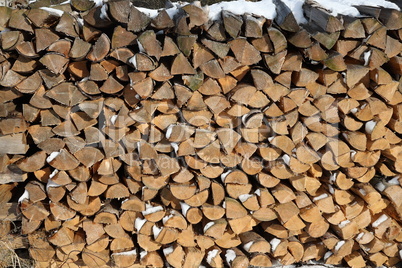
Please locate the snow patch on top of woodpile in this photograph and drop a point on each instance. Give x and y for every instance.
(267, 8)
(346, 7)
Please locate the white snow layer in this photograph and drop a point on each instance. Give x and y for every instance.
(98, 3)
(258, 192)
(297, 8)
(167, 251)
(52, 156)
(248, 245)
(320, 197)
(143, 254)
(138, 223)
(133, 61)
(53, 11)
(184, 208)
(369, 127)
(394, 180)
(156, 231)
(212, 254)
(266, 8)
(380, 186)
(104, 14)
(53, 173)
(149, 209)
(343, 223)
(113, 119)
(244, 197)
(51, 183)
(274, 244)
(126, 253)
(263, 8)
(230, 255)
(208, 225)
(345, 7)
(223, 175)
(380, 220)
(169, 131)
(366, 56)
(24, 196)
(339, 245)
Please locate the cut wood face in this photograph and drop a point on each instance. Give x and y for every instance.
(146, 138)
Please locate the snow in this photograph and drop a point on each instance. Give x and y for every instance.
(143, 254)
(156, 231)
(167, 251)
(362, 191)
(184, 208)
(369, 126)
(98, 3)
(53, 173)
(140, 47)
(297, 8)
(52, 156)
(332, 179)
(248, 245)
(53, 11)
(366, 56)
(138, 223)
(126, 253)
(230, 255)
(400, 253)
(352, 154)
(224, 204)
(359, 236)
(223, 175)
(327, 255)
(331, 189)
(149, 209)
(380, 220)
(212, 254)
(51, 183)
(166, 218)
(339, 245)
(258, 192)
(133, 61)
(169, 131)
(244, 197)
(173, 10)
(104, 14)
(320, 197)
(24, 196)
(343, 223)
(113, 119)
(263, 8)
(208, 225)
(345, 7)
(175, 146)
(152, 13)
(286, 159)
(354, 110)
(274, 244)
(394, 180)
(380, 186)
(266, 8)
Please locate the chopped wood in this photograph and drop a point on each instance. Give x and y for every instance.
(233, 142)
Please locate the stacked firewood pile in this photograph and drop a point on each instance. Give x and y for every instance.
(176, 140)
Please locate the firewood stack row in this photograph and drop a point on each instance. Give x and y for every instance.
(177, 140)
